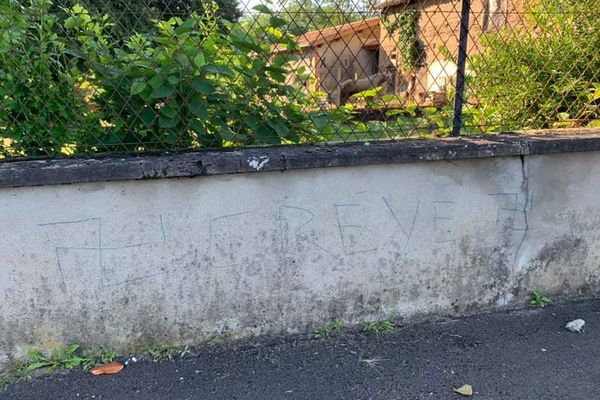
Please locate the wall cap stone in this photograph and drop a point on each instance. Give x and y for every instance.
(193, 163)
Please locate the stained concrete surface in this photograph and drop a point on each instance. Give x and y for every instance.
(176, 261)
(506, 355)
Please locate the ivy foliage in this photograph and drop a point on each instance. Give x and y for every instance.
(403, 28)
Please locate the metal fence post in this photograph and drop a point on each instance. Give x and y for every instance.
(462, 61)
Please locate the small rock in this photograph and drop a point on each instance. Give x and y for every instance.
(575, 325)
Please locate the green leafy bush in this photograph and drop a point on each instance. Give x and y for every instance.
(67, 86)
(136, 16)
(43, 110)
(544, 74)
(192, 84)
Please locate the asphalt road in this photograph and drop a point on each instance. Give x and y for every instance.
(517, 355)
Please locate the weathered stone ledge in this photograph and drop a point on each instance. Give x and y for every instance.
(16, 173)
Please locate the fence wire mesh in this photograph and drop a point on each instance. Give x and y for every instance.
(95, 76)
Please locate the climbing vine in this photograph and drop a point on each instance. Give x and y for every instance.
(405, 24)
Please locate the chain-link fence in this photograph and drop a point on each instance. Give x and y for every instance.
(95, 76)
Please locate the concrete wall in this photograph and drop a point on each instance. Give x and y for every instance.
(175, 261)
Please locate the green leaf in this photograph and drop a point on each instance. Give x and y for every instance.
(320, 120)
(197, 127)
(156, 81)
(172, 136)
(187, 26)
(252, 121)
(169, 111)
(165, 90)
(38, 365)
(219, 70)
(277, 22)
(138, 87)
(182, 59)
(166, 41)
(197, 106)
(166, 122)
(71, 23)
(247, 45)
(594, 123)
(280, 127)
(278, 76)
(227, 133)
(199, 60)
(203, 86)
(264, 135)
(430, 110)
(142, 64)
(36, 355)
(261, 8)
(392, 113)
(148, 116)
(73, 362)
(72, 348)
(595, 93)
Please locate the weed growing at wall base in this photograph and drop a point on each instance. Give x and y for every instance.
(379, 327)
(64, 358)
(539, 300)
(162, 353)
(326, 331)
(16, 371)
(71, 357)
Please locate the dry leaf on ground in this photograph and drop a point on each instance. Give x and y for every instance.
(465, 390)
(107, 369)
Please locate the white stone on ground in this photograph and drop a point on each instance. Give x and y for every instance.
(575, 325)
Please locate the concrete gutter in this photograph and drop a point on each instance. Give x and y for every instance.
(192, 163)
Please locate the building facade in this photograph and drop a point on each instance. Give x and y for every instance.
(331, 56)
(437, 36)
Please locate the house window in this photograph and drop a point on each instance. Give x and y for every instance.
(374, 55)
